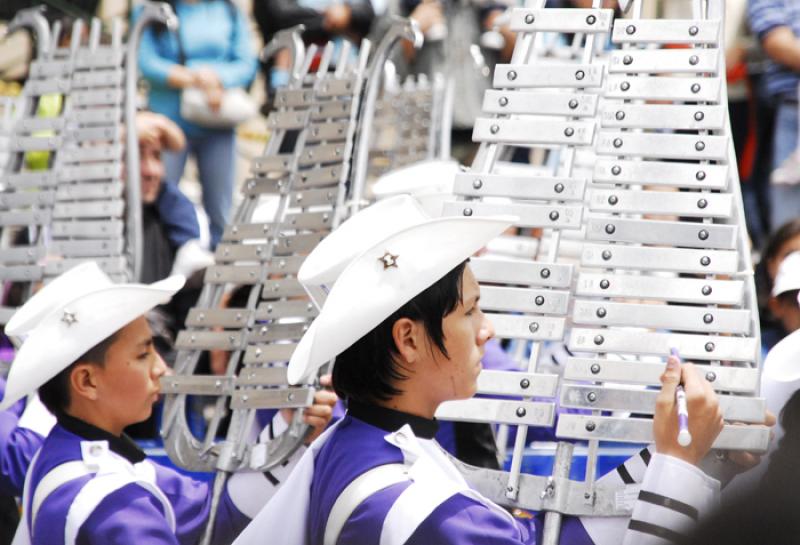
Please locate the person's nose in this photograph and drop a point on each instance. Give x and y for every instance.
(160, 368)
(486, 331)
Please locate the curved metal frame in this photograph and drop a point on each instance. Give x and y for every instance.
(34, 19)
(152, 12)
(400, 29)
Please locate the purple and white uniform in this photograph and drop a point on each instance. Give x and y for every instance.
(378, 478)
(18, 446)
(112, 494)
(359, 445)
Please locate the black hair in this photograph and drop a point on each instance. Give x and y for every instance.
(369, 371)
(764, 283)
(54, 393)
(784, 234)
(788, 298)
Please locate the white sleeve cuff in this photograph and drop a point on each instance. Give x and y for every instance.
(674, 495)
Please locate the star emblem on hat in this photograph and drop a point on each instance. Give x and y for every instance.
(69, 318)
(389, 260)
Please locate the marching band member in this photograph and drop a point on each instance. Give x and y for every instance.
(404, 323)
(89, 352)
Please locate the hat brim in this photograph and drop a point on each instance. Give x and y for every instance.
(55, 343)
(367, 293)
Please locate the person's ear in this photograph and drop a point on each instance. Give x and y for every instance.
(405, 334)
(83, 381)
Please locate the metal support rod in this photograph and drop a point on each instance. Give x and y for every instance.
(151, 13)
(561, 467)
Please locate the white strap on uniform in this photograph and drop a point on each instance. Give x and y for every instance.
(88, 498)
(361, 488)
(57, 477)
(415, 504)
(96, 490)
(23, 535)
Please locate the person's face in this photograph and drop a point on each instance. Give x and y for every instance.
(152, 172)
(466, 331)
(128, 384)
(791, 245)
(787, 310)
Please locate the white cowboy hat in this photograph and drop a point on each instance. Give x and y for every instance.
(780, 365)
(430, 182)
(75, 312)
(788, 277)
(385, 277)
(365, 229)
(60, 290)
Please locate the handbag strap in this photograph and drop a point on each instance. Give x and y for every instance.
(231, 14)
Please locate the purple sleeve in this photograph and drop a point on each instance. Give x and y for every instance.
(191, 501)
(463, 520)
(17, 448)
(129, 515)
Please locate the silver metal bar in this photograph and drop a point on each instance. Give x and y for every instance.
(672, 174)
(646, 343)
(529, 413)
(501, 101)
(743, 380)
(515, 76)
(640, 430)
(675, 31)
(673, 317)
(584, 21)
(640, 401)
(659, 288)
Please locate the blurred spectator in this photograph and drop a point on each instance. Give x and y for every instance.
(324, 20)
(751, 118)
(783, 242)
(212, 51)
(171, 227)
(82, 8)
(783, 299)
(463, 42)
(776, 23)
